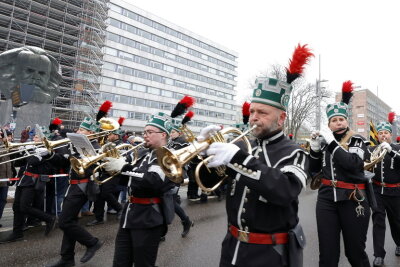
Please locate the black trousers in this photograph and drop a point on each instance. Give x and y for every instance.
(137, 246)
(389, 205)
(108, 193)
(236, 253)
(23, 206)
(68, 222)
(336, 217)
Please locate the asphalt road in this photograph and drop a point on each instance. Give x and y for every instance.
(200, 248)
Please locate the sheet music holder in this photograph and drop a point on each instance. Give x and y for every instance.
(82, 144)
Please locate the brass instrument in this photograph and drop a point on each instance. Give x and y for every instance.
(376, 156)
(135, 150)
(172, 162)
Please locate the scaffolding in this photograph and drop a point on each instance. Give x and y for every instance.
(73, 31)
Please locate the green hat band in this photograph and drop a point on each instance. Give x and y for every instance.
(272, 92)
(161, 121)
(384, 126)
(90, 124)
(336, 109)
(175, 125)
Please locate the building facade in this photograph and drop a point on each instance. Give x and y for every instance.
(150, 64)
(364, 107)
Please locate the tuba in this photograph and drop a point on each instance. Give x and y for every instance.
(172, 162)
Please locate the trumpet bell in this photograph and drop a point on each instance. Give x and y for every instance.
(171, 165)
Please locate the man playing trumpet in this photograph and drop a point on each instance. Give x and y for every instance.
(262, 194)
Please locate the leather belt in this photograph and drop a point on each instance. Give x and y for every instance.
(340, 184)
(144, 200)
(33, 175)
(82, 181)
(385, 184)
(258, 238)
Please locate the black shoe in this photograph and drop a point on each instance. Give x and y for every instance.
(13, 237)
(397, 252)
(94, 222)
(50, 226)
(62, 263)
(378, 261)
(1, 225)
(203, 198)
(186, 226)
(162, 239)
(90, 251)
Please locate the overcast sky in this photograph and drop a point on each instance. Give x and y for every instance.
(357, 40)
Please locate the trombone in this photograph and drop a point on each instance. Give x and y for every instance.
(135, 150)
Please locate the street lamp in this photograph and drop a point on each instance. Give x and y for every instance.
(319, 99)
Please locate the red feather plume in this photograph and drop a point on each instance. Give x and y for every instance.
(391, 117)
(106, 106)
(347, 87)
(246, 109)
(188, 117)
(188, 101)
(301, 57)
(56, 121)
(121, 121)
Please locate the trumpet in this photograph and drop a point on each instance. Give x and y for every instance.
(135, 150)
(80, 165)
(376, 156)
(172, 162)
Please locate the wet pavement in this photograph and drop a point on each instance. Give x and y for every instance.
(200, 248)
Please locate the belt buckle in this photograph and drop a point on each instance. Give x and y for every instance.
(383, 184)
(333, 183)
(243, 236)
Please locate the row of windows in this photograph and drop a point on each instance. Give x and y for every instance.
(191, 63)
(169, 31)
(166, 93)
(180, 72)
(161, 105)
(163, 41)
(148, 76)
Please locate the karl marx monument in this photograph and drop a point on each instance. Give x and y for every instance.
(29, 80)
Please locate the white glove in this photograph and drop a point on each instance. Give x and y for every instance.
(315, 142)
(328, 136)
(41, 151)
(28, 147)
(206, 132)
(114, 165)
(222, 152)
(386, 145)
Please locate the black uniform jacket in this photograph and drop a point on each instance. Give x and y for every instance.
(262, 196)
(388, 171)
(340, 164)
(145, 179)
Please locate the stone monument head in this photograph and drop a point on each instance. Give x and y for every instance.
(30, 71)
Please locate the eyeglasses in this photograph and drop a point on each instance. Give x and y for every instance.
(149, 132)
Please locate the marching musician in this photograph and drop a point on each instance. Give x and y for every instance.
(30, 189)
(342, 205)
(81, 190)
(386, 184)
(262, 195)
(145, 217)
(109, 190)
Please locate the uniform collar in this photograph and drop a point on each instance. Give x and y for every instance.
(272, 139)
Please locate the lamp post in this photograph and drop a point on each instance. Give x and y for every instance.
(319, 96)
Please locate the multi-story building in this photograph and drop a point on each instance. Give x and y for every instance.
(73, 31)
(364, 107)
(150, 64)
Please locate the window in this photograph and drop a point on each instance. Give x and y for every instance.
(138, 87)
(123, 84)
(140, 102)
(116, 8)
(125, 99)
(182, 48)
(154, 91)
(168, 81)
(166, 93)
(169, 68)
(120, 113)
(219, 104)
(140, 116)
(115, 23)
(126, 56)
(109, 66)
